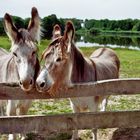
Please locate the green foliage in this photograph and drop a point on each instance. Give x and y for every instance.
(18, 21)
(2, 32)
(136, 27)
(89, 23)
(93, 26)
(94, 31)
(126, 24)
(116, 25)
(76, 22)
(26, 22)
(48, 24)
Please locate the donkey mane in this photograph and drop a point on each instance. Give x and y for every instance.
(23, 35)
(78, 64)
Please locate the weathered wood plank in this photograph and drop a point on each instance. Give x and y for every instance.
(105, 87)
(66, 122)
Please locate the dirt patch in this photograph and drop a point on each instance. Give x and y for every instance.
(126, 134)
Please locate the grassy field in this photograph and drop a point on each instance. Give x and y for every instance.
(130, 67)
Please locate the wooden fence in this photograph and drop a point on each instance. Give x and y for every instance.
(66, 122)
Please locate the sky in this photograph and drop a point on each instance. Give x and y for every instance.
(81, 9)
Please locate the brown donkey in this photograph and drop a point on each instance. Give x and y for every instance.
(21, 64)
(66, 65)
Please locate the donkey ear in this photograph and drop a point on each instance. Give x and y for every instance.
(69, 34)
(10, 28)
(56, 32)
(34, 25)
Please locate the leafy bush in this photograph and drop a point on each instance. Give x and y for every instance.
(136, 27)
(94, 31)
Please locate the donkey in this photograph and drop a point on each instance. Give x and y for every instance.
(21, 64)
(66, 65)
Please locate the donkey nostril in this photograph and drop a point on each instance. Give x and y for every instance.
(42, 84)
(20, 82)
(31, 82)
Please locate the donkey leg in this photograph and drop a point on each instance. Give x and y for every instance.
(11, 108)
(11, 111)
(2, 107)
(75, 132)
(93, 107)
(104, 104)
(2, 112)
(23, 108)
(11, 137)
(94, 133)
(102, 108)
(22, 136)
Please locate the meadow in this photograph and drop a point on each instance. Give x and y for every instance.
(130, 68)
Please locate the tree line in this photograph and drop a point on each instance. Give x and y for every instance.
(47, 24)
(96, 26)
(92, 25)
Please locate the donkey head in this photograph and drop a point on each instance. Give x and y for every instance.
(56, 32)
(24, 49)
(58, 62)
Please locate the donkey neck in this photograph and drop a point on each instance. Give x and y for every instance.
(82, 68)
(12, 73)
(8, 69)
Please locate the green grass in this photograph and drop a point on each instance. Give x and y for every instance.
(51, 106)
(4, 42)
(130, 62)
(43, 45)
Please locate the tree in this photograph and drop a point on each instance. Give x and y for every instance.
(26, 22)
(126, 24)
(94, 31)
(19, 22)
(2, 32)
(77, 23)
(48, 24)
(89, 23)
(136, 27)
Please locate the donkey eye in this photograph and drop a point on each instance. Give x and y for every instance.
(14, 54)
(58, 59)
(33, 53)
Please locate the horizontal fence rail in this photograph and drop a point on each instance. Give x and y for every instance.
(66, 122)
(104, 87)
